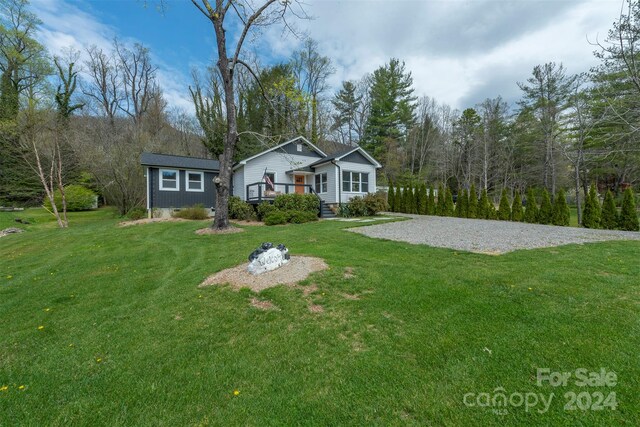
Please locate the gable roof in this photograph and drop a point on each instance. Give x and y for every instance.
(301, 138)
(180, 162)
(340, 155)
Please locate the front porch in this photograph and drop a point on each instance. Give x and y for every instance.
(259, 192)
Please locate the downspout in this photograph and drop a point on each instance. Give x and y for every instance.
(338, 182)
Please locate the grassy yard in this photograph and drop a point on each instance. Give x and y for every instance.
(104, 325)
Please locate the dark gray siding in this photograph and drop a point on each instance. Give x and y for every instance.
(292, 148)
(182, 198)
(356, 157)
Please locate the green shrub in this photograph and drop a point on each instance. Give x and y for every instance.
(431, 202)
(276, 217)
(239, 209)
(531, 211)
(375, 202)
(300, 217)
(591, 212)
(629, 215)
(609, 219)
(492, 213)
(136, 213)
(424, 200)
(358, 207)
(344, 211)
(504, 209)
(297, 202)
(461, 204)
(391, 198)
(441, 204)
(417, 197)
(196, 212)
(472, 208)
(516, 208)
(263, 209)
(398, 199)
(545, 214)
(77, 197)
(561, 214)
(484, 206)
(448, 202)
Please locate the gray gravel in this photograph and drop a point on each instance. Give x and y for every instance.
(483, 236)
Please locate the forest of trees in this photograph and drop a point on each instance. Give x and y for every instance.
(87, 114)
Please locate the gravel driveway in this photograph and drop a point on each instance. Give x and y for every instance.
(483, 236)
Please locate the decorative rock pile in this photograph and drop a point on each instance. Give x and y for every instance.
(10, 230)
(267, 258)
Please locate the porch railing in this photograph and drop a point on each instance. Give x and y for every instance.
(259, 192)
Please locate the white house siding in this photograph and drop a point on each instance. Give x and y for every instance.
(279, 163)
(356, 167)
(330, 170)
(238, 183)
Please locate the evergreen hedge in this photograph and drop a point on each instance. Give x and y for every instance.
(472, 208)
(516, 208)
(483, 211)
(629, 215)
(448, 203)
(504, 209)
(431, 202)
(609, 219)
(391, 197)
(531, 211)
(591, 212)
(545, 214)
(561, 213)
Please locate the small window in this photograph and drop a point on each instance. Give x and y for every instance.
(269, 179)
(321, 183)
(169, 180)
(195, 181)
(299, 148)
(355, 182)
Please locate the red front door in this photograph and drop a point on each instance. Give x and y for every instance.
(299, 181)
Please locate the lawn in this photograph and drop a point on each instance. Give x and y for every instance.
(104, 325)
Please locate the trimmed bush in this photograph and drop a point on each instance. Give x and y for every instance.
(431, 202)
(391, 197)
(609, 219)
(263, 210)
(276, 217)
(545, 214)
(196, 212)
(591, 212)
(77, 197)
(629, 215)
(300, 217)
(239, 209)
(531, 211)
(516, 208)
(561, 213)
(357, 207)
(472, 208)
(375, 202)
(297, 202)
(504, 209)
(136, 213)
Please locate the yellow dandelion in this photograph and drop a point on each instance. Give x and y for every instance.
(9, 277)
(236, 392)
(199, 296)
(47, 309)
(40, 327)
(21, 387)
(4, 388)
(98, 360)
(71, 345)
(530, 289)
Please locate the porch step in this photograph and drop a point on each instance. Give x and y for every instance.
(325, 211)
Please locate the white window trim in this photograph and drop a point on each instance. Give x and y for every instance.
(162, 188)
(342, 181)
(186, 177)
(326, 182)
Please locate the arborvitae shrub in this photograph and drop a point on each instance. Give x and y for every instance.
(424, 198)
(391, 197)
(492, 213)
(413, 208)
(531, 210)
(448, 203)
(462, 204)
(516, 208)
(417, 197)
(545, 215)
(609, 218)
(431, 202)
(398, 198)
(441, 203)
(629, 215)
(472, 209)
(504, 210)
(483, 211)
(561, 213)
(591, 212)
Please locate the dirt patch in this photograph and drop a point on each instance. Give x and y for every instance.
(263, 305)
(351, 297)
(348, 273)
(294, 271)
(307, 290)
(249, 223)
(209, 230)
(316, 308)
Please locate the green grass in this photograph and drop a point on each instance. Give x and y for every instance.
(430, 325)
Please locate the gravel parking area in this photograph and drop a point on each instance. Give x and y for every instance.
(488, 237)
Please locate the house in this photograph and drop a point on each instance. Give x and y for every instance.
(295, 166)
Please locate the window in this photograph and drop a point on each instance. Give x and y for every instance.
(355, 182)
(269, 179)
(169, 180)
(321, 183)
(299, 147)
(195, 181)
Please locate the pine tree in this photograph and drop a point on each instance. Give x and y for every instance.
(629, 215)
(504, 209)
(448, 203)
(591, 212)
(545, 215)
(391, 197)
(472, 209)
(609, 219)
(431, 202)
(531, 211)
(561, 213)
(516, 208)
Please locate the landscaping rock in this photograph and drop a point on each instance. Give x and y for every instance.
(267, 258)
(10, 230)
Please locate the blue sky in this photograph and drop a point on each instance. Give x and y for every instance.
(459, 51)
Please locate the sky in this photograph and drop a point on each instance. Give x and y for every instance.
(459, 52)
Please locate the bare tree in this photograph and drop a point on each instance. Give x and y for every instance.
(103, 86)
